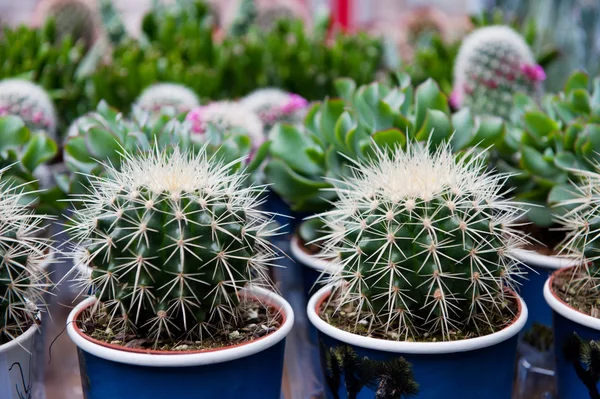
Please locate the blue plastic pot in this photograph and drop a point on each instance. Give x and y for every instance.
(314, 269)
(252, 370)
(573, 333)
(469, 369)
(539, 267)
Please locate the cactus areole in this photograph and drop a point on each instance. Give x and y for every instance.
(172, 239)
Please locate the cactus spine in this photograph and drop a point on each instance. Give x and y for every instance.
(493, 64)
(274, 105)
(30, 102)
(228, 116)
(167, 95)
(22, 278)
(172, 239)
(423, 242)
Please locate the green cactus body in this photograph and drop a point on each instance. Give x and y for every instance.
(172, 239)
(74, 18)
(22, 278)
(493, 64)
(167, 95)
(423, 241)
(30, 102)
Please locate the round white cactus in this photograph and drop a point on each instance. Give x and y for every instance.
(167, 95)
(30, 102)
(274, 105)
(172, 239)
(423, 242)
(228, 116)
(493, 64)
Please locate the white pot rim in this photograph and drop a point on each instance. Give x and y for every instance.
(424, 348)
(565, 310)
(20, 340)
(308, 260)
(550, 262)
(186, 359)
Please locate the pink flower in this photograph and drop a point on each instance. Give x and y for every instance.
(455, 99)
(4, 110)
(37, 117)
(294, 103)
(195, 117)
(534, 72)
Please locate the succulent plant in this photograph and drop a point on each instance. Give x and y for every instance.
(23, 281)
(167, 95)
(172, 240)
(493, 64)
(423, 242)
(37, 54)
(230, 117)
(100, 137)
(30, 102)
(74, 18)
(274, 105)
(548, 142)
(340, 129)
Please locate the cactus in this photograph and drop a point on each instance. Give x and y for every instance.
(167, 95)
(30, 102)
(493, 64)
(172, 239)
(73, 18)
(276, 106)
(228, 116)
(423, 241)
(245, 17)
(23, 281)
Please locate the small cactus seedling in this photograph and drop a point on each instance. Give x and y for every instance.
(228, 116)
(75, 18)
(274, 105)
(493, 64)
(22, 278)
(162, 96)
(423, 241)
(30, 102)
(172, 239)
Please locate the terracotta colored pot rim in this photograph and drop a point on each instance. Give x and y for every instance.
(424, 348)
(564, 309)
(157, 358)
(309, 260)
(20, 340)
(551, 263)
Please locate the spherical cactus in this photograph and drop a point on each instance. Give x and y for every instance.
(167, 95)
(275, 105)
(228, 116)
(30, 102)
(23, 281)
(75, 18)
(172, 238)
(423, 242)
(493, 64)
(270, 11)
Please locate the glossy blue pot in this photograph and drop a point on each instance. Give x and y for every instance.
(253, 370)
(575, 333)
(469, 369)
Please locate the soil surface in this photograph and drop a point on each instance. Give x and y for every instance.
(258, 322)
(580, 299)
(345, 319)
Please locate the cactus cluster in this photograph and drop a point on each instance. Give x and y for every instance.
(30, 102)
(172, 240)
(274, 105)
(74, 18)
(423, 240)
(161, 96)
(228, 116)
(493, 64)
(23, 281)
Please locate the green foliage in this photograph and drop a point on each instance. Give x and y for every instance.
(38, 55)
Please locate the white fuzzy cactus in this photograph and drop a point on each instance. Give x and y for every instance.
(30, 102)
(172, 239)
(423, 243)
(23, 281)
(493, 64)
(160, 96)
(274, 105)
(228, 116)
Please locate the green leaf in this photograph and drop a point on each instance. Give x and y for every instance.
(13, 132)
(577, 80)
(289, 144)
(429, 97)
(345, 87)
(560, 193)
(391, 138)
(567, 160)
(344, 126)
(311, 230)
(436, 127)
(463, 124)
(331, 110)
(539, 126)
(539, 214)
(532, 160)
(39, 149)
(580, 101)
(259, 156)
(103, 145)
